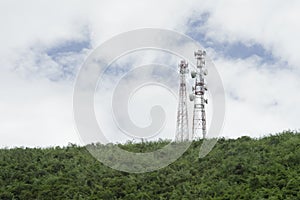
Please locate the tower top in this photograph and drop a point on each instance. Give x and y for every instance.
(200, 54)
(183, 67)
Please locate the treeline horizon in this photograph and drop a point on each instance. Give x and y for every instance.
(164, 140)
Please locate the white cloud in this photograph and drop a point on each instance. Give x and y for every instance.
(273, 24)
(36, 111)
(261, 99)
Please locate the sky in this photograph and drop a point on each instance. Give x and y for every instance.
(253, 44)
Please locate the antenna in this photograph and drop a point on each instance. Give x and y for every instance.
(198, 94)
(182, 131)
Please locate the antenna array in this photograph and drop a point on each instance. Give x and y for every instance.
(197, 96)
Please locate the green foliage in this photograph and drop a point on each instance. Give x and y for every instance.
(245, 168)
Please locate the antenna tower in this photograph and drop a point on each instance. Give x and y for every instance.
(198, 95)
(182, 131)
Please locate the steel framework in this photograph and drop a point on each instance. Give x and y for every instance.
(182, 131)
(198, 95)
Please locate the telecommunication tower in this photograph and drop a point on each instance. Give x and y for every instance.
(182, 131)
(198, 95)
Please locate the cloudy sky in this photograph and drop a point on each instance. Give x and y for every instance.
(254, 45)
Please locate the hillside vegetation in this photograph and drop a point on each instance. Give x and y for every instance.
(245, 168)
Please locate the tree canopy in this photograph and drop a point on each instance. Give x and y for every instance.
(243, 168)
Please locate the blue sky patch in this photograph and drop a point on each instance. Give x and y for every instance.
(69, 46)
(233, 50)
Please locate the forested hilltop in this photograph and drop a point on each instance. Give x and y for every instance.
(244, 168)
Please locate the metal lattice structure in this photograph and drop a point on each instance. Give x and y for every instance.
(182, 131)
(198, 95)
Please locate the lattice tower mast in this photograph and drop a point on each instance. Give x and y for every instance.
(182, 131)
(198, 95)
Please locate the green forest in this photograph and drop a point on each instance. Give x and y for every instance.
(243, 168)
